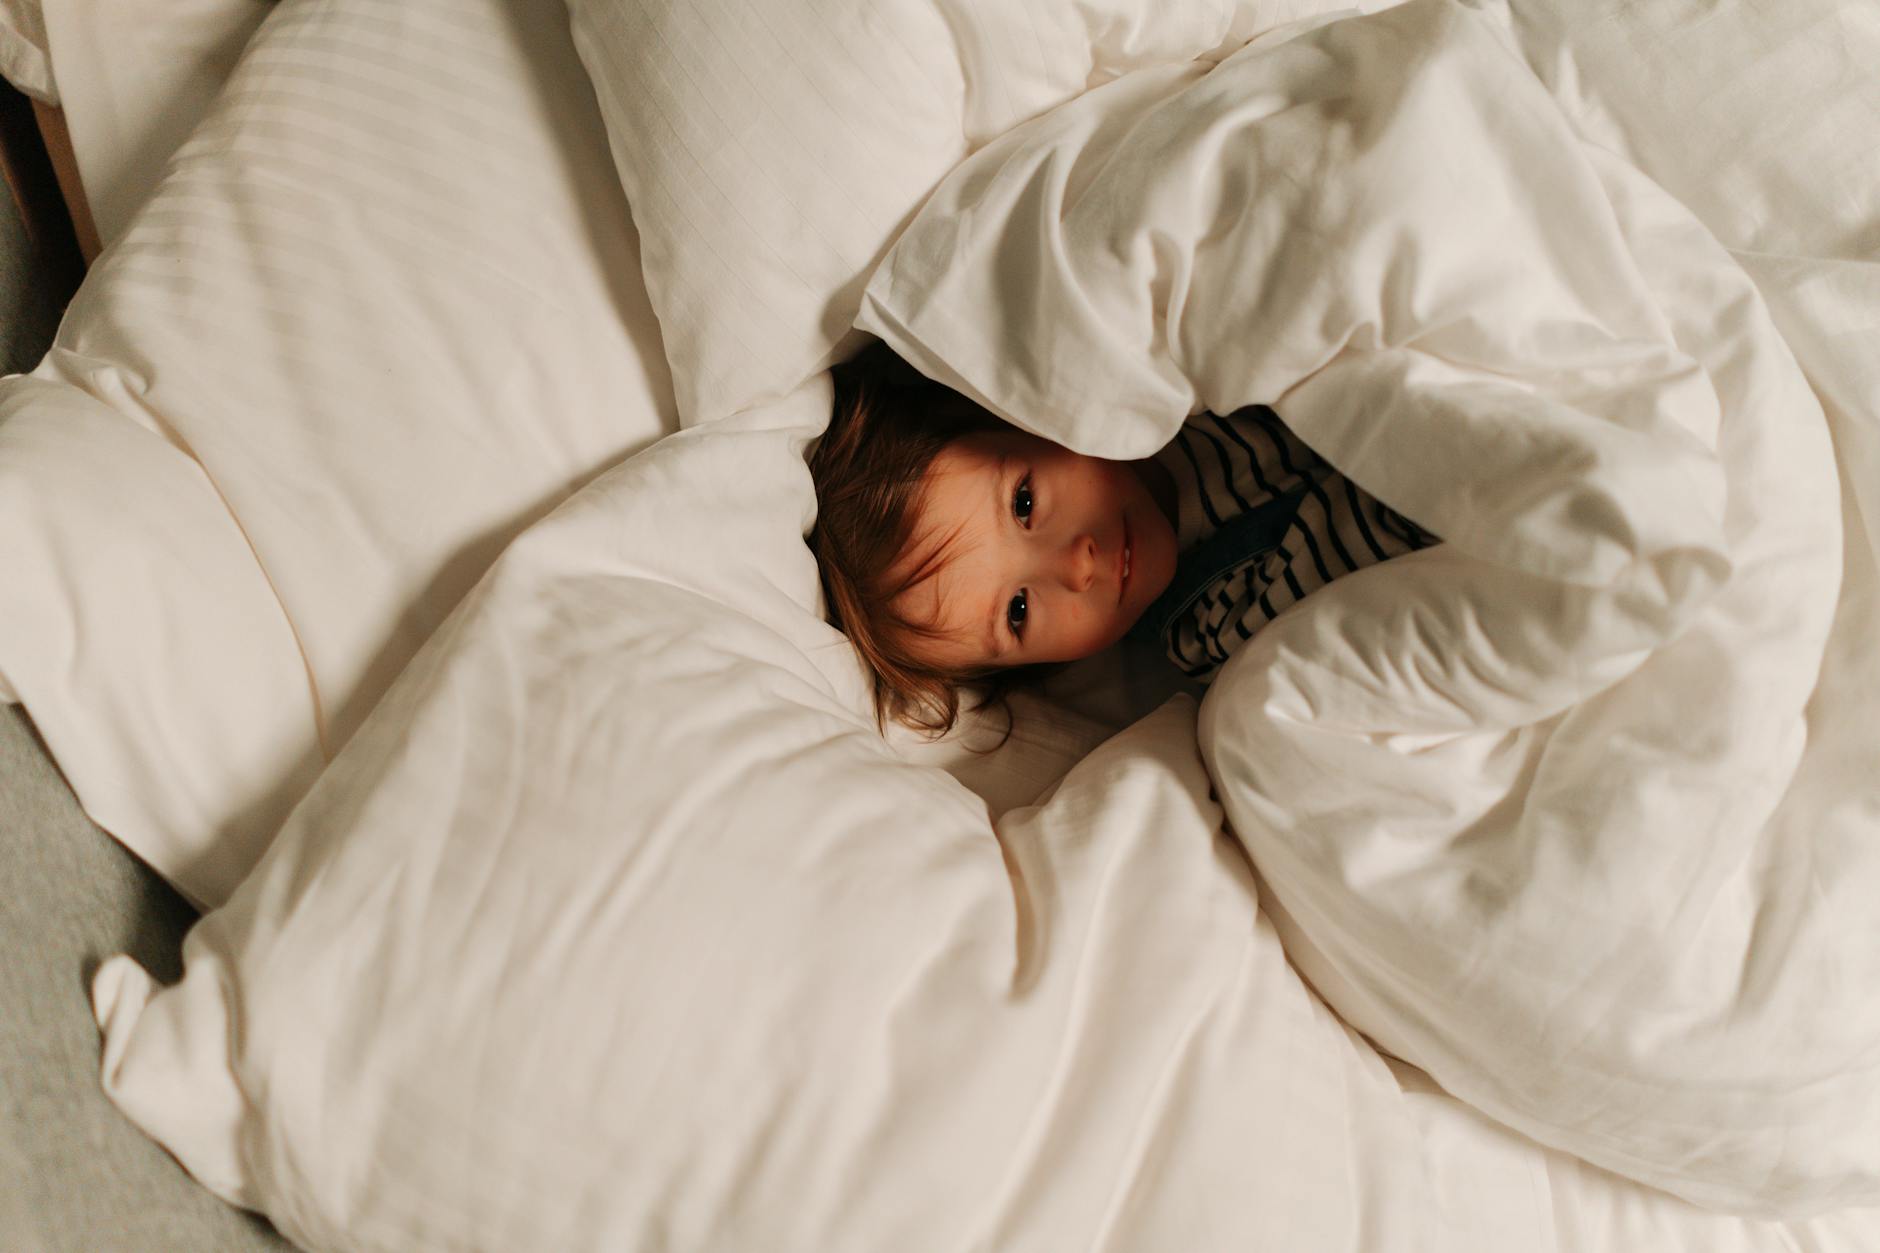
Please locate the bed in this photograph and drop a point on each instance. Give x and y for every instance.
(409, 570)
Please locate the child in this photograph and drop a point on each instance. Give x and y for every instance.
(956, 549)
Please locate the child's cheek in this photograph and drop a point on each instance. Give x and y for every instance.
(1088, 627)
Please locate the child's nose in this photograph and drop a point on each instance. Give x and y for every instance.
(1080, 563)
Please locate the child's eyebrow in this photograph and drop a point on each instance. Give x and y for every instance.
(995, 642)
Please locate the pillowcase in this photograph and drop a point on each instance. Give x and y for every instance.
(135, 81)
(616, 853)
(771, 153)
(143, 638)
(379, 362)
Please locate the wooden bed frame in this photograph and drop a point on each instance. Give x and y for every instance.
(58, 142)
(41, 174)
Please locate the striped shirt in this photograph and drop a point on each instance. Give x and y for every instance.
(1310, 524)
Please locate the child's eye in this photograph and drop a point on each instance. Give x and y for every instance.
(1015, 615)
(1021, 500)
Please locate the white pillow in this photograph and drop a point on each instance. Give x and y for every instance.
(615, 854)
(387, 300)
(144, 640)
(617, 927)
(135, 79)
(772, 151)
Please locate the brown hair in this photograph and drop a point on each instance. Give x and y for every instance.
(886, 427)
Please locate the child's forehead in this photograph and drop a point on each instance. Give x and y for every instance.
(959, 496)
(969, 454)
(945, 529)
(947, 605)
(952, 517)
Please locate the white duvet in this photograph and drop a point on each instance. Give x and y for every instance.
(1576, 811)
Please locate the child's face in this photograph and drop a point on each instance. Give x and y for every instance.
(1046, 554)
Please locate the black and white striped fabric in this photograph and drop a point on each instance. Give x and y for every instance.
(1226, 467)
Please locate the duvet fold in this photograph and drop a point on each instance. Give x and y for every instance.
(1569, 810)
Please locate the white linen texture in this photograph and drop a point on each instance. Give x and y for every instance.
(1571, 811)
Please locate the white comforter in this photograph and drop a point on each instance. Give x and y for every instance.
(1578, 810)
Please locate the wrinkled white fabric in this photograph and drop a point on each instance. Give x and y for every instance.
(618, 927)
(1571, 811)
(771, 153)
